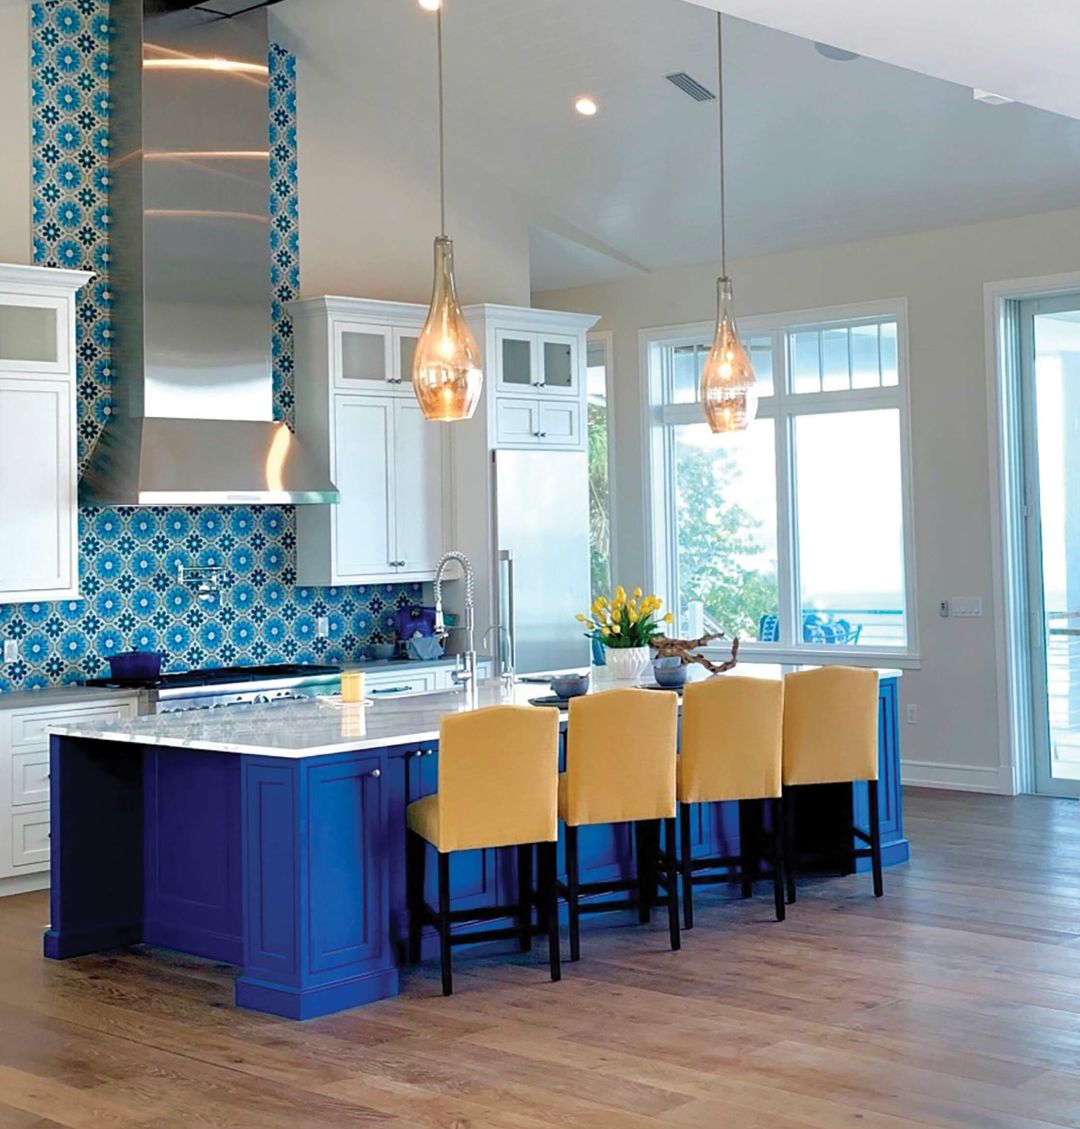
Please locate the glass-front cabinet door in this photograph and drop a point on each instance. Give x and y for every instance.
(518, 361)
(363, 355)
(33, 334)
(405, 341)
(559, 364)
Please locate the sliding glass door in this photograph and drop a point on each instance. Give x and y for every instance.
(1050, 352)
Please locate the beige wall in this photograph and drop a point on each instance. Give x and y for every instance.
(14, 131)
(941, 273)
(368, 181)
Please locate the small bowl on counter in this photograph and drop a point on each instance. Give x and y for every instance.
(383, 651)
(570, 685)
(669, 673)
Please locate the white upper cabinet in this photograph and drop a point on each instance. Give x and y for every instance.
(38, 501)
(355, 405)
(534, 369)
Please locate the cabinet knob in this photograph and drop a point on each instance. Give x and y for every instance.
(429, 752)
(375, 773)
(542, 434)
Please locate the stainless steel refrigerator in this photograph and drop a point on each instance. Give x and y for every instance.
(542, 570)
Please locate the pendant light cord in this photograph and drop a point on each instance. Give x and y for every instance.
(720, 116)
(442, 128)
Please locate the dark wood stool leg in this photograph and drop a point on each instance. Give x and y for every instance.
(572, 891)
(778, 857)
(671, 879)
(789, 844)
(525, 896)
(548, 869)
(415, 857)
(444, 924)
(875, 838)
(641, 854)
(750, 832)
(687, 866)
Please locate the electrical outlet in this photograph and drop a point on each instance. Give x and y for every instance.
(943, 609)
(322, 627)
(11, 650)
(912, 714)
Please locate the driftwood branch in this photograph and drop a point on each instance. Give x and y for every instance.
(686, 650)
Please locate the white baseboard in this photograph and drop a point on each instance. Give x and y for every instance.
(959, 777)
(24, 883)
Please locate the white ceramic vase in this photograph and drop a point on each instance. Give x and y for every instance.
(627, 664)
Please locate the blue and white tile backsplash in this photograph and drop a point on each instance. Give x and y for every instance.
(128, 555)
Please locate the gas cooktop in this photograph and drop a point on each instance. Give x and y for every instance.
(219, 676)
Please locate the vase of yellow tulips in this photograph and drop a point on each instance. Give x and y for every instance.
(626, 625)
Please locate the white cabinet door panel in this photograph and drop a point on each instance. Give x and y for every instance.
(30, 840)
(560, 423)
(417, 489)
(29, 778)
(37, 505)
(516, 421)
(363, 519)
(30, 728)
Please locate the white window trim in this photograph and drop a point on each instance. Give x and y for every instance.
(655, 417)
(606, 339)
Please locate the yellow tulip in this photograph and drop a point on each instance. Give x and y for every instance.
(620, 593)
(616, 630)
(590, 625)
(638, 593)
(580, 618)
(669, 618)
(633, 617)
(605, 631)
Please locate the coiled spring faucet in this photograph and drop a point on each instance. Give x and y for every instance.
(468, 673)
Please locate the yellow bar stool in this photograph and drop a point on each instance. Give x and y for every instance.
(831, 737)
(497, 787)
(731, 749)
(620, 768)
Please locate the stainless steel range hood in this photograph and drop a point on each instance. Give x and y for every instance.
(192, 386)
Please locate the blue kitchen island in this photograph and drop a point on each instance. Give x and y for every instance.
(272, 837)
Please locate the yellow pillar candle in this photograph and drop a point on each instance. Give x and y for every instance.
(352, 686)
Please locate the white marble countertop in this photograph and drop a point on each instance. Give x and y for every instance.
(320, 726)
(62, 696)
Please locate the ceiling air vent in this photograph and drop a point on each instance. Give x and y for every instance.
(691, 86)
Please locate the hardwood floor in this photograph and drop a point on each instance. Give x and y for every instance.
(954, 1001)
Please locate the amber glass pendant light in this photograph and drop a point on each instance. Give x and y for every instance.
(728, 383)
(447, 378)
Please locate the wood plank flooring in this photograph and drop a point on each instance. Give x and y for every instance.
(953, 1002)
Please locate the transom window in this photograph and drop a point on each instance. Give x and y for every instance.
(795, 534)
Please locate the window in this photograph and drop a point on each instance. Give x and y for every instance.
(598, 370)
(803, 519)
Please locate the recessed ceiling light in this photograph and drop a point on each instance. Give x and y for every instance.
(989, 98)
(586, 106)
(837, 54)
(431, 5)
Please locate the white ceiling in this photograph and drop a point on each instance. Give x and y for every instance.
(819, 151)
(1024, 49)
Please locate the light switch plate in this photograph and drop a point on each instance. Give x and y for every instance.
(322, 627)
(965, 607)
(11, 650)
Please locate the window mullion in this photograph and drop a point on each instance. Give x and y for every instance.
(786, 572)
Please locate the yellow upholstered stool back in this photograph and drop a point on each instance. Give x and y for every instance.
(732, 740)
(498, 778)
(620, 757)
(830, 725)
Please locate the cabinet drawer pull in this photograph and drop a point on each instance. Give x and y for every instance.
(375, 773)
(391, 690)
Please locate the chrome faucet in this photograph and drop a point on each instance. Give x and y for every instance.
(466, 675)
(506, 657)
